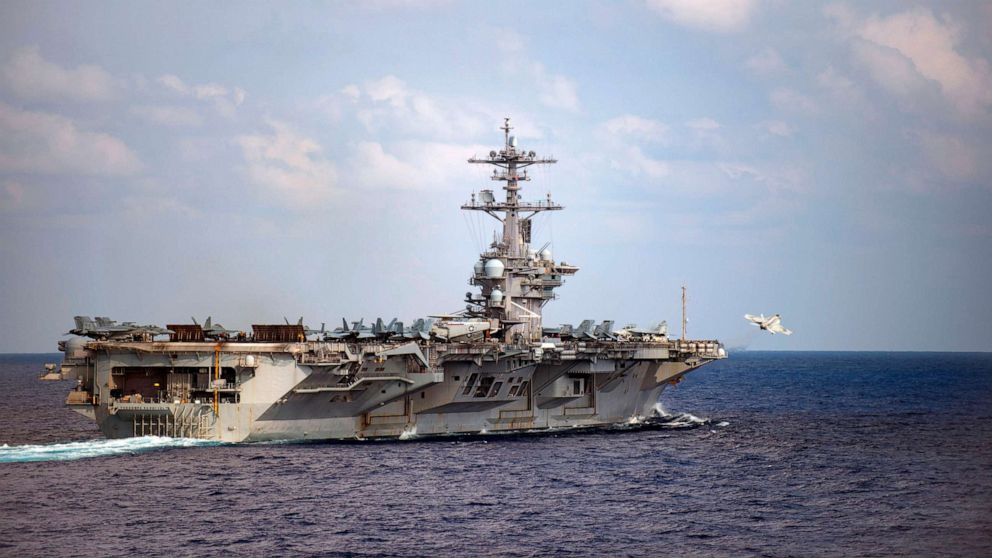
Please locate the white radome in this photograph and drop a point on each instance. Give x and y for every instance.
(494, 268)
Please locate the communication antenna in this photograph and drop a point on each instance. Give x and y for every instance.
(684, 320)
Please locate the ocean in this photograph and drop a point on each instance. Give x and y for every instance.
(764, 454)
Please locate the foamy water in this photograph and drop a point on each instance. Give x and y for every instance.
(94, 448)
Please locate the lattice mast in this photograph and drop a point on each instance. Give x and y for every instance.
(516, 281)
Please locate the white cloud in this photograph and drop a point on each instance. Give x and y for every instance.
(393, 105)
(174, 83)
(709, 15)
(412, 165)
(766, 62)
(403, 4)
(839, 86)
(703, 124)
(777, 179)
(352, 92)
(554, 90)
(166, 115)
(209, 91)
(632, 160)
(288, 168)
(390, 89)
(904, 48)
(776, 128)
(952, 157)
(892, 71)
(225, 100)
(32, 77)
(704, 133)
(11, 194)
(636, 127)
(372, 167)
(37, 142)
(793, 101)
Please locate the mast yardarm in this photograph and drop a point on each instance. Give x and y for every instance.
(527, 279)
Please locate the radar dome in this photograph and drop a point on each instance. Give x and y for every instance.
(496, 297)
(546, 255)
(494, 268)
(75, 347)
(479, 267)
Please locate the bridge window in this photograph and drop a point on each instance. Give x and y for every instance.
(469, 384)
(523, 389)
(495, 391)
(484, 385)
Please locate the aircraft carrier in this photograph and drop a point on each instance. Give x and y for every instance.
(490, 368)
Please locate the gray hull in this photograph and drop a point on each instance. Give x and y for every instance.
(373, 391)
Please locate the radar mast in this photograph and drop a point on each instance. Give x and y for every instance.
(516, 281)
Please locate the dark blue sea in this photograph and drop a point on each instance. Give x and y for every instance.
(766, 454)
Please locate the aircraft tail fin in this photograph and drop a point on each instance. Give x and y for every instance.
(83, 322)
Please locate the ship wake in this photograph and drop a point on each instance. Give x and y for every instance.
(95, 448)
(679, 420)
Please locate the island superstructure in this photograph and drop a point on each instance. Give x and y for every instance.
(492, 367)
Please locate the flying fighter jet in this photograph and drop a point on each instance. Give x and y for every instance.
(211, 331)
(771, 324)
(107, 329)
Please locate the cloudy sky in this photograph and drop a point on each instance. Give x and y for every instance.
(830, 162)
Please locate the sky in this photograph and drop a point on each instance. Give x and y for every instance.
(249, 161)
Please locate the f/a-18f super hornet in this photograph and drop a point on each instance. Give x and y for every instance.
(215, 331)
(105, 328)
(307, 332)
(587, 330)
(420, 330)
(771, 324)
(358, 330)
(632, 331)
(490, 368)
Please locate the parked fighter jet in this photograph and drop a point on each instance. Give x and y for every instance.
(306, 330)
(357, 330)
(657, 330)
(107, 329)
(604, 331)
(383, 330)
(564, 331)
(771, 324)
(585, 330)
(212, 331)
(421, 329)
